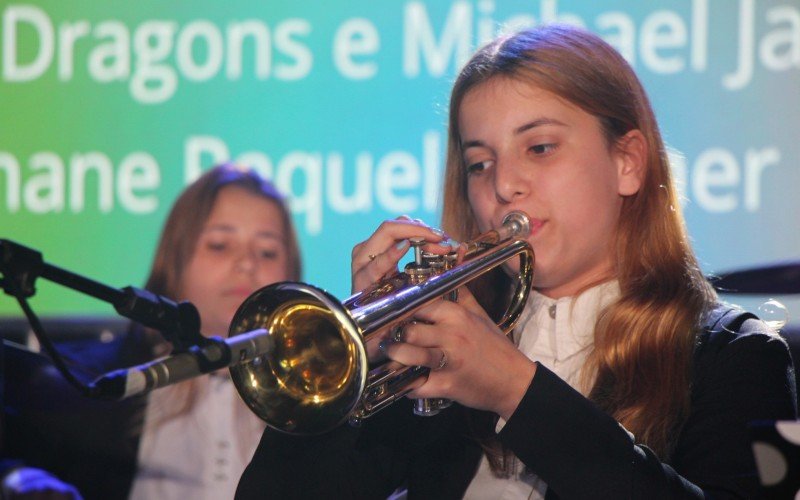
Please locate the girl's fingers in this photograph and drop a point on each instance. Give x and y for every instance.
(413, 355)
(389, 233)
(446, 311)
(378, 256)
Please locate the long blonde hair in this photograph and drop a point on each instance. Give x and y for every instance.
(644, 341)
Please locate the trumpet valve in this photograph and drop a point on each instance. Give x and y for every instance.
(417, 244)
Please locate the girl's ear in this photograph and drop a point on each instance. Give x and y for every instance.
(630, 153)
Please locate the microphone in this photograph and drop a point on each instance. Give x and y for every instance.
(219, 353)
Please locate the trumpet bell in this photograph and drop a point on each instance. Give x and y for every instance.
(317, 371)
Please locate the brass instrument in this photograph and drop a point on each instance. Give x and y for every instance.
(317, 373)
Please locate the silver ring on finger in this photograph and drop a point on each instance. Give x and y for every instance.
(397, 334)
(442, 362)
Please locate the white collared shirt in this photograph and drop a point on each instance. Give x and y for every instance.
(200, 454)
(559, 334)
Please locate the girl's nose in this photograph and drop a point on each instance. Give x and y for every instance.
(245, 261)
(509, 182)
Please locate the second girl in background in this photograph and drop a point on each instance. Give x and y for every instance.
(228, 234)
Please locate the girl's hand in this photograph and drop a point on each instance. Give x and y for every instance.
(379, 254)
(482, 367)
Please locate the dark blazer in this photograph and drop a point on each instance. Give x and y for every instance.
(742, 372)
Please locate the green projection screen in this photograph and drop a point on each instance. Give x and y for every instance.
(107, 109)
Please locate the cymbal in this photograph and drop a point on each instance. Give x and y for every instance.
(781, 278)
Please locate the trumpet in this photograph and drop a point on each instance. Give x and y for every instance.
(317, 373)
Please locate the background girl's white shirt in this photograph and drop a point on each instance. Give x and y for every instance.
(559, 334)
(200, 454)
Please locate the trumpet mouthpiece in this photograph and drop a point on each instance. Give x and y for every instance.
(516, 224)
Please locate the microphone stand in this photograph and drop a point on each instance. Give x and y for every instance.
(179, 323)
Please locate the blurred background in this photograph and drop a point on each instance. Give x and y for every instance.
(107, 109)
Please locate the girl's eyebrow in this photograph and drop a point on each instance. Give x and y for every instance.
(538, 123)
(219, 227)
(269, 235)
(227, 228)
(522, 128)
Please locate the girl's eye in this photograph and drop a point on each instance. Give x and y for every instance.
(476, 168)
(268, 254)
(216, 246)
(542, 149)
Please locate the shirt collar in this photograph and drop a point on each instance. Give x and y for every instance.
(571, 320)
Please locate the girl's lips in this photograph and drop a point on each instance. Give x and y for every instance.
(536, 225)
